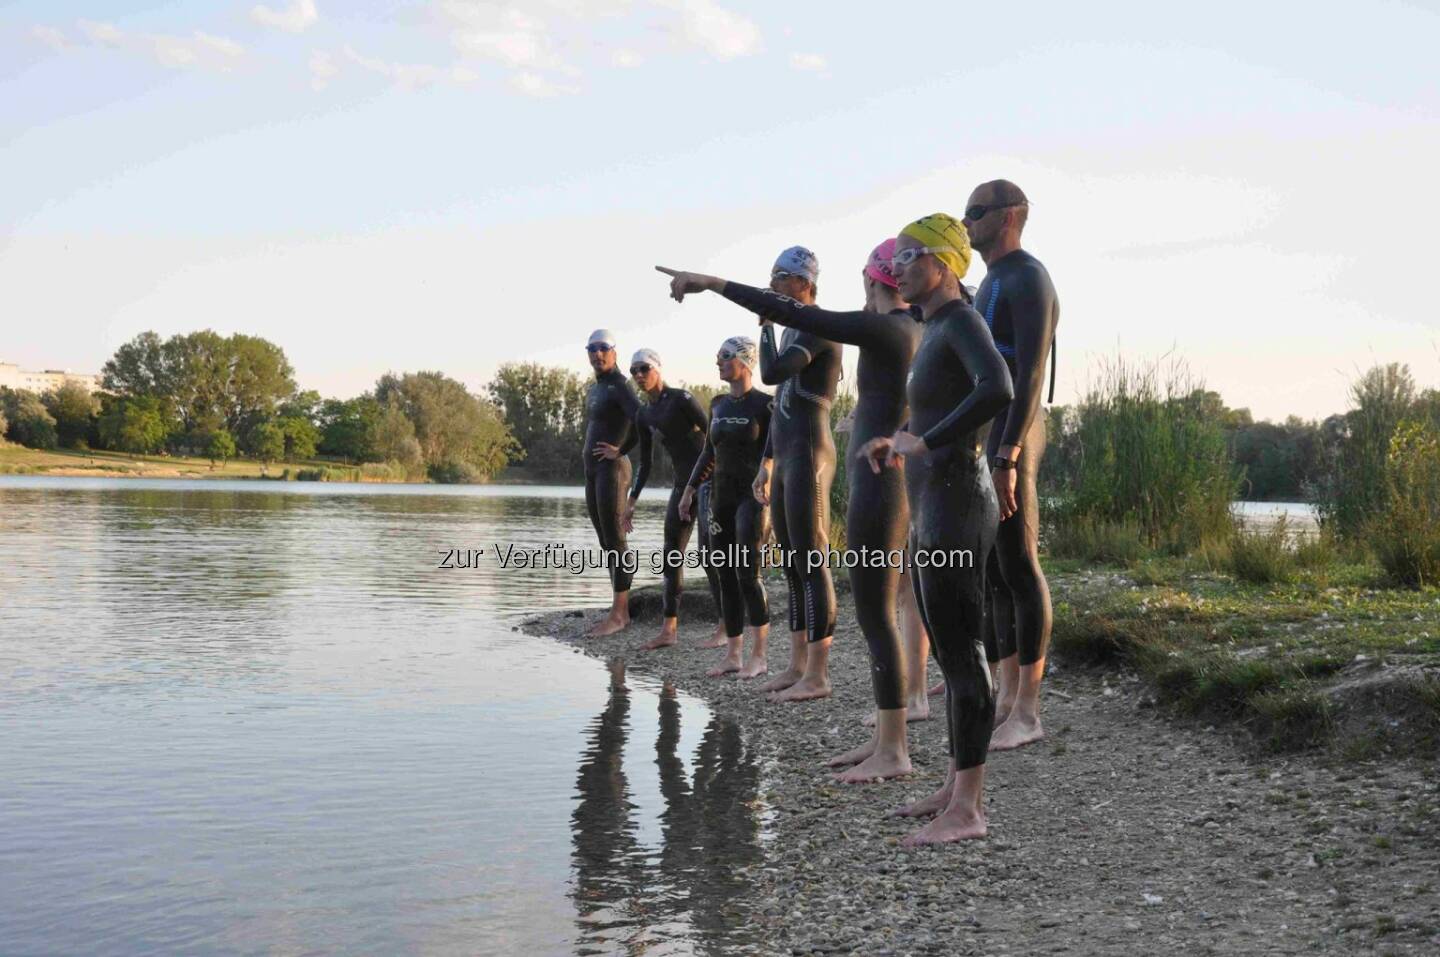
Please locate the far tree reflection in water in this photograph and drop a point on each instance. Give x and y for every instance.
(685, 896)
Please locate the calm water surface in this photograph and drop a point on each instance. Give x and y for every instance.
(250, 718)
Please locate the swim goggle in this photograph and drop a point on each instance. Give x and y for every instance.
(725, 355)
(904, 257)
(598, 347)
(640, 368)
(981, 210)
(783, 274)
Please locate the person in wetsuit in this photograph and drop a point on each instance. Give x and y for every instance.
(739, 422)
(877, 517)
(676, 417)
(957, 383)
(610, 410)
(1019, 304)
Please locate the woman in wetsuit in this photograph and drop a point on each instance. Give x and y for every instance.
(739, 422)
(676, 417)
(1019, 304)
(877, 517)
(957, 384)
(610, 410)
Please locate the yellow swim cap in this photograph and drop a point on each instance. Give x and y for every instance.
(939, 231)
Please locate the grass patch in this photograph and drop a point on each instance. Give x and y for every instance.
(1262, 556)
(1096, 539)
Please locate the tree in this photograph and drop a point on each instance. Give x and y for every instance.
(135, 425)
(74, 409)
(267, 442)
(451, 425)
(30, 423)
(544, 409)
(393, 439)
(301, 437)
(347, 428)
(220, 444)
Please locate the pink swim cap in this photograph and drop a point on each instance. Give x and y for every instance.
(878, 267)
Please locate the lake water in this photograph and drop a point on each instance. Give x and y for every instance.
(243, 717)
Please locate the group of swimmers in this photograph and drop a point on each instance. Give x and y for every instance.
(937, 364)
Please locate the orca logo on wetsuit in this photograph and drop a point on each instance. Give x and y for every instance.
(732, 420)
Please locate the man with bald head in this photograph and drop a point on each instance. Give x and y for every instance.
(1017, 300)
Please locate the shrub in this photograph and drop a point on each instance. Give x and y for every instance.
(1405, 533)
(1092, 539)
(1262, 556)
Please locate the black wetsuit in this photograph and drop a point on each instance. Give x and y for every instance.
(677, 418)
(730, 459)
(610, 409)
(807, 368)
(1018, 302)
(958, 382)
(877, 517)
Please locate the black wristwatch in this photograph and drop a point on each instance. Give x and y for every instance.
(1001, 462)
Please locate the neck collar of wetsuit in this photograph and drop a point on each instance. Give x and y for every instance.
(944, 310)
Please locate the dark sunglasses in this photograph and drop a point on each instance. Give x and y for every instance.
(598, 347)
(981, 210)
(725, 355)
(640, 369)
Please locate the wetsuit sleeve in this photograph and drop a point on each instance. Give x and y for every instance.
(776, 368)
(630, 402)
(1032, 304)
(966, 335)
(769, 451)
(647, 457)
(705, 462)
(694, 414)
(864, 329)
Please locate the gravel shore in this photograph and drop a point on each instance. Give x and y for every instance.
(1123, 832)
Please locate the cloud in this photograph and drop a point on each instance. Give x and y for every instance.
(323, 69)
(723, 33)
(410, 76)
(808, 62)
(626, 59)
(177, 52)
(511, 35)
(533, 84)
(51, 37)
(295, 18)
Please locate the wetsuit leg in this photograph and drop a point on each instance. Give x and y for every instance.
(677, 537)
(605, 498)
(808, 472)
(723, 538)
(952, 605)
(702, 525)
(790, 563)
(877, 518)
(1022, 595)
(750, 531)
(1000, 629)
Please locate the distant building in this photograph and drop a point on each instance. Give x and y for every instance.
(16, 378)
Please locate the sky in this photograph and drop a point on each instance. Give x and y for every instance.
(395, 186)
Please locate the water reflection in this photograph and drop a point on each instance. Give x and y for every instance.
(684, 896)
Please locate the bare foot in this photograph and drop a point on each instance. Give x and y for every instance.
(782, 681)
(728, 665)
(877, 767)
(926, 806)
(716, 640)
(1016, 732)
(754, 668)
(917, 710)
(609, 625)
(938, 688)
(853, 756)
(806, 689)
(663, 640)
(952, 825)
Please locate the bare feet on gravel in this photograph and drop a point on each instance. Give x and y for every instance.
(1018, 731)
(782, 681)
(754, 668)
(730, 664)
(853, 756)
(954, 825)
(926, 806)
(880, 766)
(806, 689)
(609, 625)
(938, 688)
(716, 640)
(669, 635)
